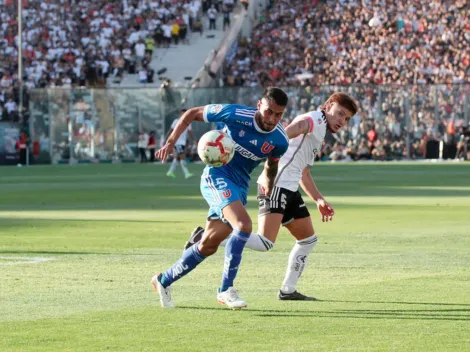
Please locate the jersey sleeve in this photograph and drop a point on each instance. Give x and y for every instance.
(279, 150)
(173, 124)
(319, 129)
(309, 119)
(217, 112)
(310, 163)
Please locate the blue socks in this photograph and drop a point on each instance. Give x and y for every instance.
(188, 261)
(233, 257)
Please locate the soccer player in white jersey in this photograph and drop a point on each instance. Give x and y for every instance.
(285, 206)
(180, 150)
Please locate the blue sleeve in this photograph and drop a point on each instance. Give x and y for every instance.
(279, 150)
(217, 112)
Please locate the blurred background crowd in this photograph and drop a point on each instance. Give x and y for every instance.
(409, 70)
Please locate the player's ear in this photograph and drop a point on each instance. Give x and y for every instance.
(328, 106)
(258, 105)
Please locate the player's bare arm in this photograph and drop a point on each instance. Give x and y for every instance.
(298, 128)
(270, 169)
(193, 114)
(308, 185)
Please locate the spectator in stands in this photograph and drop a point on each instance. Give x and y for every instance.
(151, 146)
(212, 15)
(142, 144)
(227, 10)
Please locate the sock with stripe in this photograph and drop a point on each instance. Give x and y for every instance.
(255, 242)
(297, 262)
(233, 257)
(188, 261)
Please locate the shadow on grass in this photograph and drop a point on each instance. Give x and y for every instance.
(383, 302)
(425, 314)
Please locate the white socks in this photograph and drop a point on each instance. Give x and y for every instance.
(297, 262)
(173, 166)
(255, 242)
(183, 166)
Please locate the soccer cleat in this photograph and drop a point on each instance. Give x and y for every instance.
(188, 175)
(165, 293)
(294, 296)
(231, 299)
(195, 237)
(171, 174)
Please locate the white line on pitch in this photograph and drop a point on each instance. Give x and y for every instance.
(24, 260)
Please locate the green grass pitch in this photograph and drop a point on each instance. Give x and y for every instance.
(79, 244)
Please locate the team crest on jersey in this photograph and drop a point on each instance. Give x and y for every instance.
(242, 133)
(215, 109)
(267, 148)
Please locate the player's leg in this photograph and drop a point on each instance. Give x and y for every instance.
(182, 161)
(236, 214)
(270, 216)
(299, 224)
(227, 201)
(174, 163)
(215, 232)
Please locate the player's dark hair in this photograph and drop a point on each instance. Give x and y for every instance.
(344, 100)
(276, 94)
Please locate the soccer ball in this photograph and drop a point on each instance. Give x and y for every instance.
(216, 148)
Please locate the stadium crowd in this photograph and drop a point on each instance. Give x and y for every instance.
(68, 43)
(298, 44)
(330, 43)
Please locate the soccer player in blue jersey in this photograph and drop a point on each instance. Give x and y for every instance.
(258, 135)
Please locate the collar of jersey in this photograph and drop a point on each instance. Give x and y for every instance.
(259, 129)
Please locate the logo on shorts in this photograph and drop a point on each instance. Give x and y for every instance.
(215, 109)
(242, 133)
(227, 193)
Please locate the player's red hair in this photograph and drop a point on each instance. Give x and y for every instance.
(344, 100)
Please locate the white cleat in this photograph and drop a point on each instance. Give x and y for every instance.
(165, 293)
(231, 299)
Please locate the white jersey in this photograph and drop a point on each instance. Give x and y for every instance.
(184, 136)
(301, 152)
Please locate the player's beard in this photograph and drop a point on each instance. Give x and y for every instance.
(264, 126)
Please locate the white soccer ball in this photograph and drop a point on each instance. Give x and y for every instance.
(216, 148)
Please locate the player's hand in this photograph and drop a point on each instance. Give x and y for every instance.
(164, 151)
(326, 210)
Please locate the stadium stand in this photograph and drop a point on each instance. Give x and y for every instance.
(331, 44)
(310, 47)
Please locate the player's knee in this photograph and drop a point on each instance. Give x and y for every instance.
(243, 225)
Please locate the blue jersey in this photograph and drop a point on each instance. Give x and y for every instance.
(252, 144)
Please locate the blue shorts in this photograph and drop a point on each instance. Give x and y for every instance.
(219, 191)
